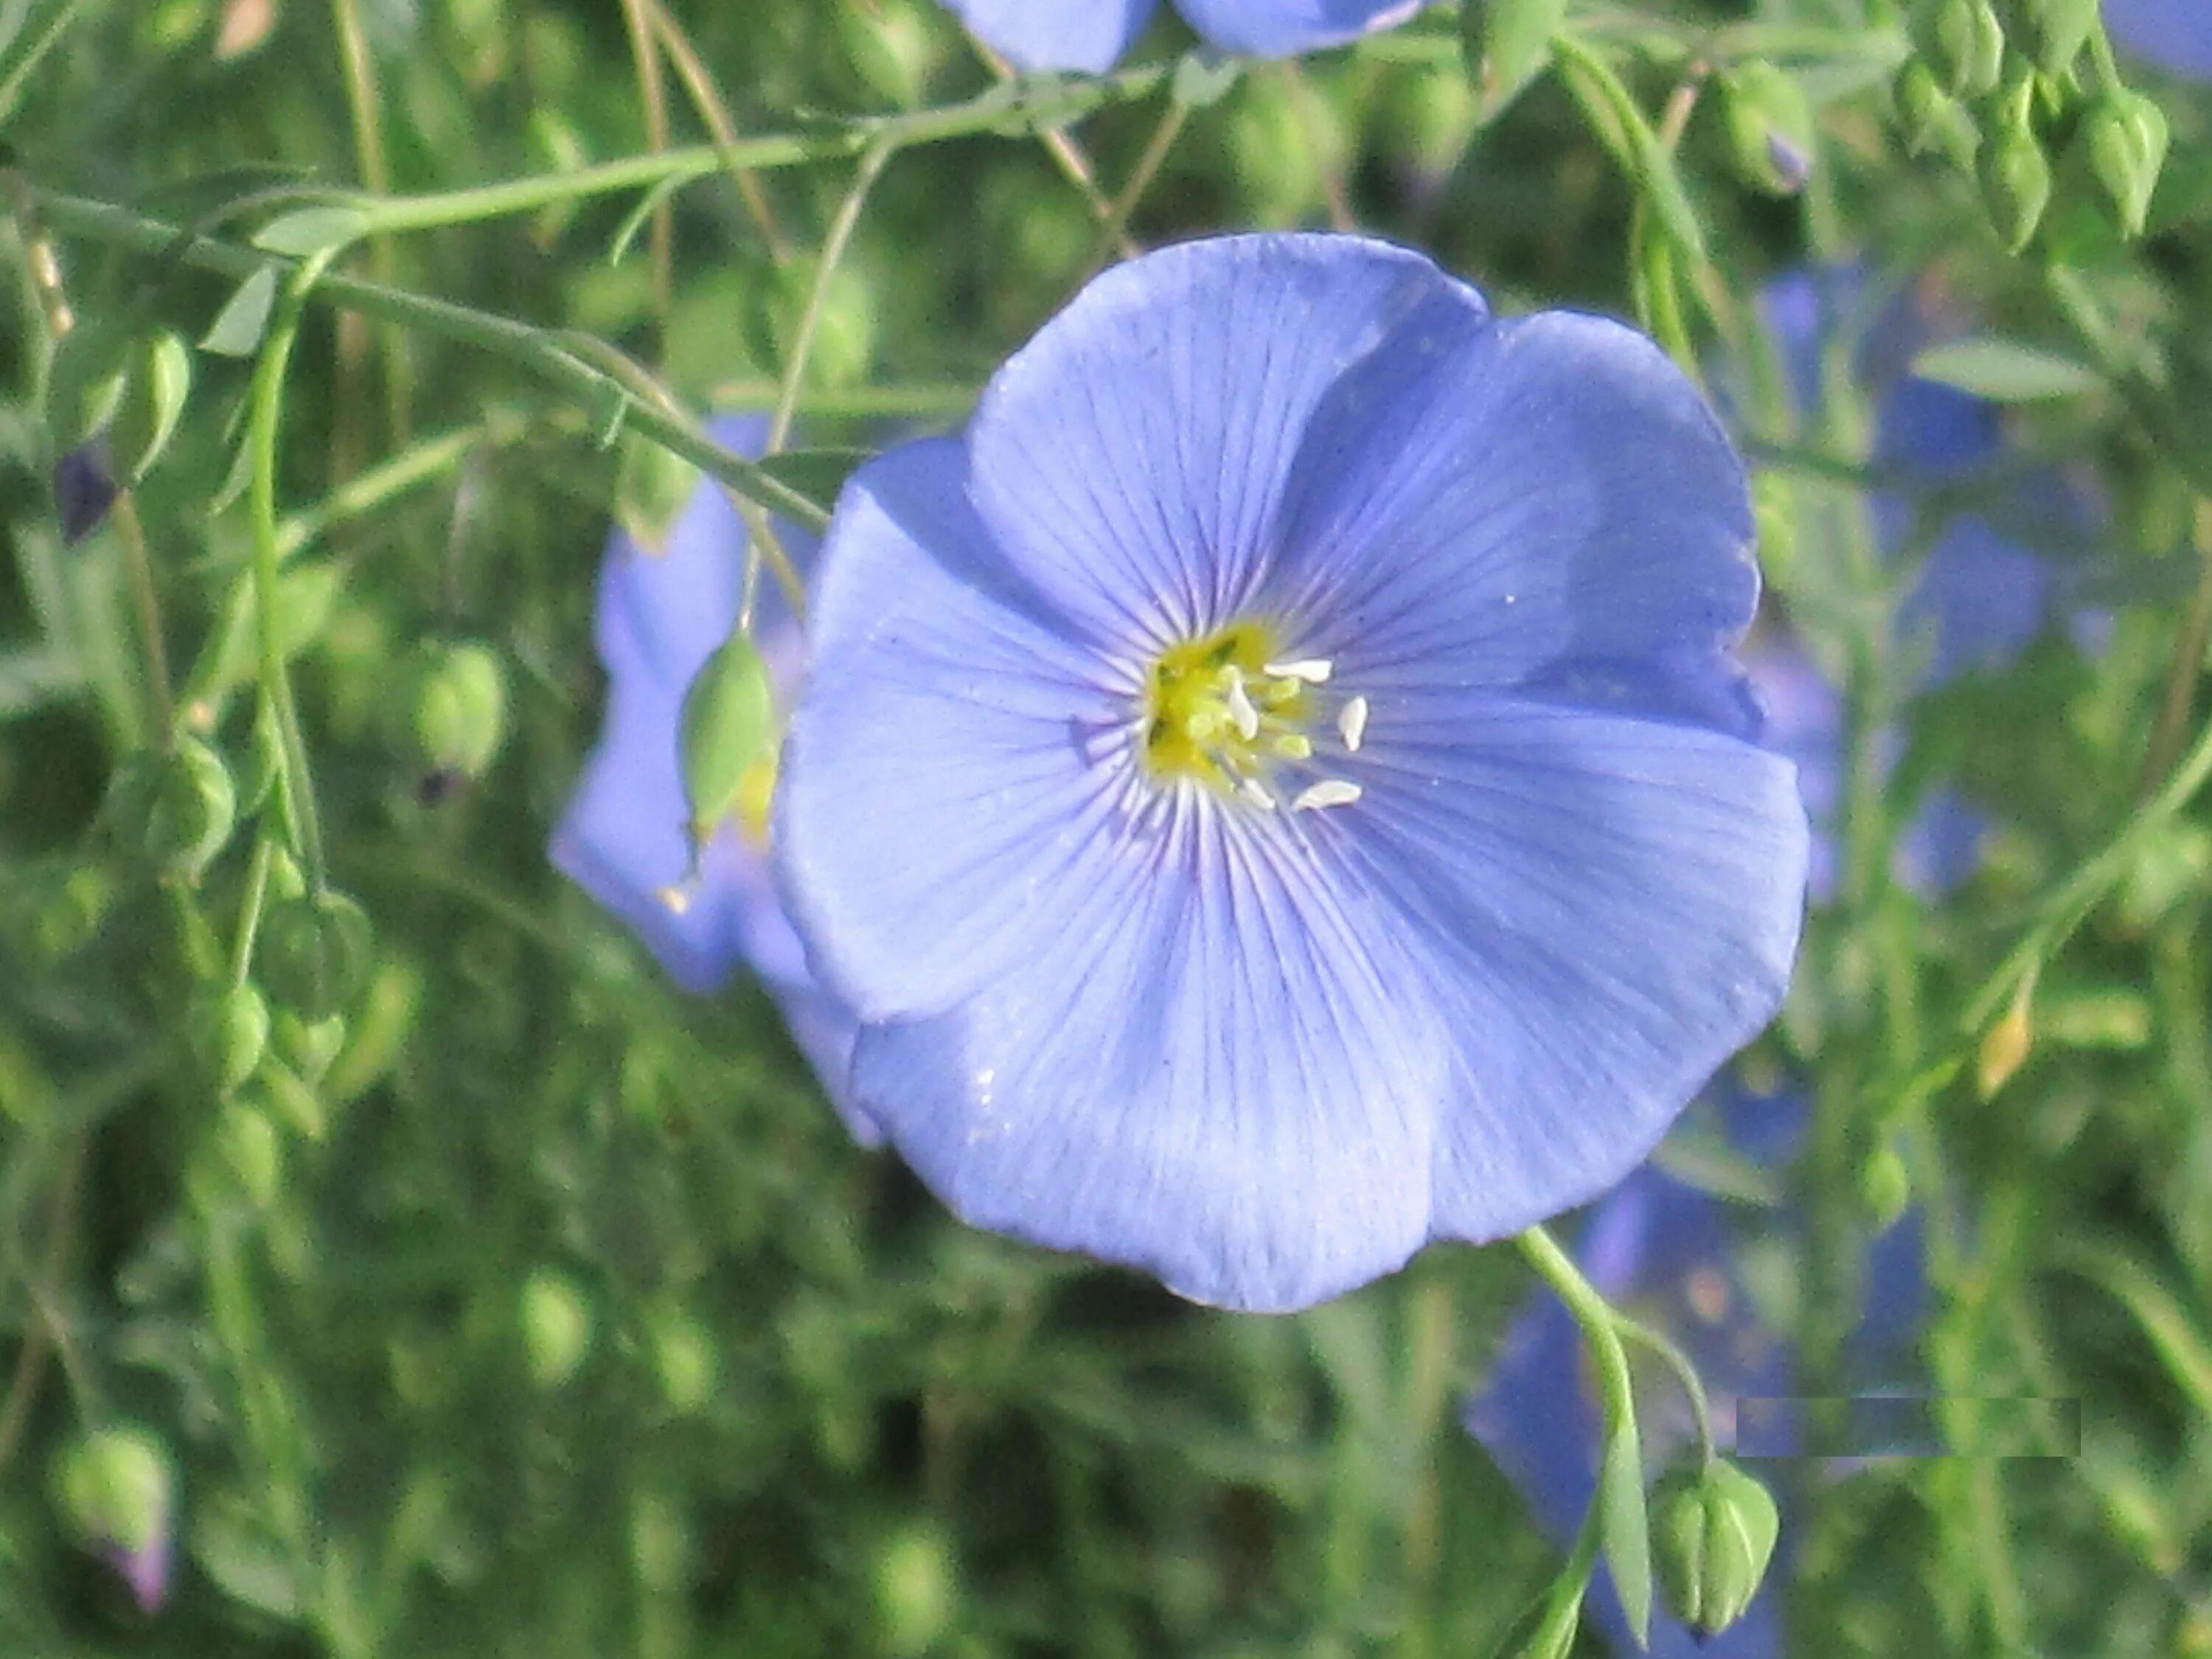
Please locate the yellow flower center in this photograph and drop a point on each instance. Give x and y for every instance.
(1228, 711)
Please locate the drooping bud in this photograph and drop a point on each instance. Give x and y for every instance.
(556, 1327)
(2016, 183)
(2127, 147)
(84, 488)
(116, 1489)
(315, 953)
(1969, 44)
(2061, 27)
(1770, 124)
(729, 719)
(229, 1032)
(174, 808)
(460, 708)
(1713, 1532)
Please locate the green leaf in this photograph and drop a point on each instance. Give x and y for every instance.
(311, 230)
(2004, 371)
(153, 404)
(1620, 124)
(817, 474)
(84, 378)
(1202, 78)
(238, 327)
(1624, 1525)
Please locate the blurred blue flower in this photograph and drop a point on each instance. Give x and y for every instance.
(84, 489)
(1668, 1253)
(2175, 33)
(1092, 35)
(1981, 594)
(1276, 791)
(624, 839)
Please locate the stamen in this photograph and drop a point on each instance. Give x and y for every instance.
(1352, 724)
(1246, 717)
(1293, 745)
(1252, 790)
(675, 899)
(1314, 670)
(1329, 792)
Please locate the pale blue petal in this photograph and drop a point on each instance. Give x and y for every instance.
(956, 768)
(1089, 35)
(1280, 29)
(1132, 458)
(1545, 505)
(2176, 33)
(1610, 908)
(1214, 1064)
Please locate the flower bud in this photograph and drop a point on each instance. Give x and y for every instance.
(556, 1327)
(2015, 184)
(315, 953)
(2004, 1046)
(652, 486)
(916, 1588)
(229, 1030)
(1713, 1532)
(1969, 42)
(729, 718)
(2061, 27)
(116, 1489)
(308, 1046)
(1770, 124)
(460, 708)
(2127, 147)
(683, 1359)
(1885, 1187)
(84, 379)
(175, 808)
(84, 488)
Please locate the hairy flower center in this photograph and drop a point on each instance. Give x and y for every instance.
(1227, 711)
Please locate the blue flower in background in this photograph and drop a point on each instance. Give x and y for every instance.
(1276, 791)
(1668, 1253)
(624, 839)
(1092, 35)
(2176, 33)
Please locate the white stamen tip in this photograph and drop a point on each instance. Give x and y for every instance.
(1352, 724)
(676, 900)
(1250, 789)
(1314, 670)
(1329, 792)
(1241, 711)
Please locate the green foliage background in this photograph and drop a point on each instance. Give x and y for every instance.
(534, 1307)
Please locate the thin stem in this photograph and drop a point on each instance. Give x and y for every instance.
(706, 99)
(2188, 666)
(1601, 1325)
(825, 269)
(608, 398)
(1307, 110)
(268, 401)
(1686, 1374)
(249, 909)
(645, 55)
(370, 157)
(1114, 233)
(1074, 164)
(18, 78)
(430, 458)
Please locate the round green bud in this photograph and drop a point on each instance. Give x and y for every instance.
(229, 1030)
(116, 1487)
(728, 722)
(556, 1327)
(917, 1588)
(252, 1151)
(1969, 43)
(1924, 107)
(2016, 180)
(1885, 1187)
(460, 708)
(684, 1360)
(1770, 125)
(314, 953)
(2062, 28)
(2127, 138)
(1712, 1535)
(177, 809)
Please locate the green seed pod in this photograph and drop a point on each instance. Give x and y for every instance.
(2127, 147)
(1712, 1535)
(1507, 44)
(729, 719)
(917, 1587)
(460, 708)
(556, 1327)
(1969, 44)
(2062, 28)
(307, 1046)
(84, 379)
(315, 953)
(156, 389)
(1885, 1187)
(2015, 184)
(229, 1030)
(1770, 124)
(253, 1152)
(652, 486)
(684, 1360)
(176, 809)
(117, 1488)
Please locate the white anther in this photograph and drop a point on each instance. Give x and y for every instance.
(676, 900)
(1329, 792)
(1314, 670)
(1252, 791)
(1352, 724)
(1247, 718)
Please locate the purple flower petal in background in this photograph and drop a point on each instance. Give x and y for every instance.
(1276, 790)
(83, 491)
(2176, 34)
(623, 838)
(1090, 35)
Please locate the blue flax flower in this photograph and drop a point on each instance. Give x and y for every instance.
(2174, 33)
(1673, 1256)
(623, 839)
(1092, 35)
(1275, 791)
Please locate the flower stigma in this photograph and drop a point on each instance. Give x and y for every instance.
(1224, 710)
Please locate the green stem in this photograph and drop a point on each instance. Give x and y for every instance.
(249, 908)
(840, 237)
(18, 78)
(1601, 1325)
(606, 397)
(268, 402)
(1114, 231)
(1686, 1374)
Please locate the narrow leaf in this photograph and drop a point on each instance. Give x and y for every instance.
(238, 327)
